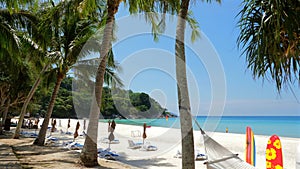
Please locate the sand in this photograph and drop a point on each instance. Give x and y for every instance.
(167, 140)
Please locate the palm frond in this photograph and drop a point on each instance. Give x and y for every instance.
(270, 39)
(194, 26)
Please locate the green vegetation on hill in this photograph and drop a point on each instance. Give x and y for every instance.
(117, 103)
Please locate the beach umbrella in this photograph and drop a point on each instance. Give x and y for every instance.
(53, 125)
(76, 130)
(111, 136)
(144, 132)
(109, 127)
(37, 121)
(113, 125)
(69, 121)
(84, 123)
(36, 124)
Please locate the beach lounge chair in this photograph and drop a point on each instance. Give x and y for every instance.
(148, 147)
(133, 145)
(219, 157)
(178, 154)
(201, 156)
(65, 143)
(82, 134)
(28, 134)
(107, 154)
(135, 133)
(69, 133)
(51, 141)
(74, 146)
(106, 141)
(52, 138)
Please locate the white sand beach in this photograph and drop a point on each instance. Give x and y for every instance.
(167, 140)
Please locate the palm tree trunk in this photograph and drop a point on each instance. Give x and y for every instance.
(188, 157)
(88, 157)
(40, 140)
(89, 154)
(28, 98)
(4, 115)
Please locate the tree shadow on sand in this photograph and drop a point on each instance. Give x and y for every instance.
(32, 156)
(145, 163)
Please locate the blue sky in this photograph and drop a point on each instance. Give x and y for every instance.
(148, 66)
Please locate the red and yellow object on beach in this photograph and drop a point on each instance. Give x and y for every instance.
(250, 147)
(274, 153)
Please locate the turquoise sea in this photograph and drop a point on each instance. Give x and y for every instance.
(283, 126)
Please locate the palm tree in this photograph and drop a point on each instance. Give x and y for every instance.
(89, 156)
(89, 153)
(9, 41)
(15, 79)
(270, 39)
(187, 138)
(110, 79)
(28, 98)
(68, 35)
(41, 58)
(13, 25)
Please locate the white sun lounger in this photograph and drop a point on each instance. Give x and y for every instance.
(133, 145)
(106, 141)
(148, 147)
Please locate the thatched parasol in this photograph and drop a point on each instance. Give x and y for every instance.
(76, 130)
(144, 132)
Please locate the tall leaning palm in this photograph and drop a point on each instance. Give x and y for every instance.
(89, 156)
(89, 153)
(270, 38)
(68, 35)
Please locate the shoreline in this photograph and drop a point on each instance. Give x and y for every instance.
(208, 126)
(216, 131)
(134, 122)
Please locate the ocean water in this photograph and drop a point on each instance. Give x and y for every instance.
(283, 126)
